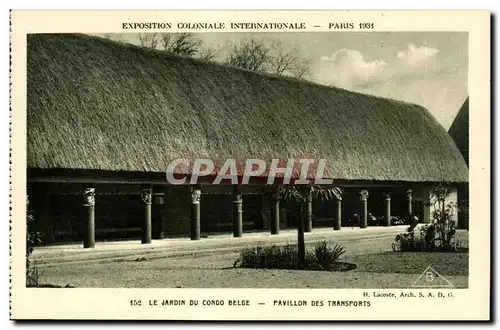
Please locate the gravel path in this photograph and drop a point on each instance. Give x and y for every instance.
(215, 271)
(188, 273)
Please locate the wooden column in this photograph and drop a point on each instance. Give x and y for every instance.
(337, 220)
(89, 207)
(309, 215)
(195, 213)
(364, 208)
(146, 196)
(387, 209)
(275, 215)
(409, 199)
(237, 213)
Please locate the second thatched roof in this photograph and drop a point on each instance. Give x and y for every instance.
(94, 104)
(459, 130)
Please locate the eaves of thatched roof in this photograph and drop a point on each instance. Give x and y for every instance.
(459, 130)
(94, 104)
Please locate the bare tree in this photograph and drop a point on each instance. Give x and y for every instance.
(282, 59)
(288, 61)
(184, 44)
(254, 55)
(301, 68)
(149, 40)
(208, 54)
(180, 43)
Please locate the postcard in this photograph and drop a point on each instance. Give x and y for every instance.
(250, 165)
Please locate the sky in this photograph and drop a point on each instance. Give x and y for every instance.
(425, 68)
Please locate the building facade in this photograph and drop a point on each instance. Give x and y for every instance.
(104, 120)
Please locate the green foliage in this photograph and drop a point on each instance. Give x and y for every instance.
(437, 236)
(272, 256)
(408, 243)
(427, 241)
(326, 256)
(322, 257)
(442, 215)
(428, 232)
(301, 193)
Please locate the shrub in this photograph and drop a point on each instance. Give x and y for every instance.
(322, 257)
(437, 236)
(442, 215)
(429, 240)
(269, 257)
(32, 239)
(325, 256)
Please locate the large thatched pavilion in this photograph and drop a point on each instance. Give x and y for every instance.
(104, 120)
(459, 131)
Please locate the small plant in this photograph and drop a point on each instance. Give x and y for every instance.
(32, 239)
(408, 242)
(428, 232)
(302, 194)
(326, 256)
(444, 210)
(437, 236)
(322, 257)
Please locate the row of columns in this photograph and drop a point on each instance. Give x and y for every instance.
(387, 207)
(195, 218)
(89, 208)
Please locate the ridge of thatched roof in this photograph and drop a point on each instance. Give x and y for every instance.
(95, 104)
(459, 130)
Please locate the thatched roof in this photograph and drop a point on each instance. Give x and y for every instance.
(101, 105)
(459, 130)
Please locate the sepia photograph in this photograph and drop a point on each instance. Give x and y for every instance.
(386, 113)
(250, 165)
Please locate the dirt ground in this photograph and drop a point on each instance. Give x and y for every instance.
(378, 267)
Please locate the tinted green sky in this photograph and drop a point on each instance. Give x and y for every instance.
(429, 69)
